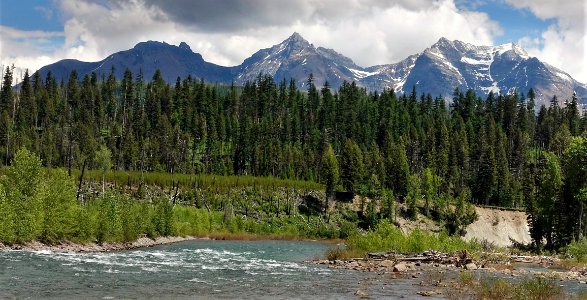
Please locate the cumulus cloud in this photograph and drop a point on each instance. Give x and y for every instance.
(563, 44)
(26, 49)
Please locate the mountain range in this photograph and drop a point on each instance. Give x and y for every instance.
(436, 70)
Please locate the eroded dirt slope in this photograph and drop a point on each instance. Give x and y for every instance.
(500, 227)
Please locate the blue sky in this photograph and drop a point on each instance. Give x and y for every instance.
(516, 23)
(37, 32)
(40, 15)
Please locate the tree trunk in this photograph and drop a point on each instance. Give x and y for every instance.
(580, 232)
(81, 177)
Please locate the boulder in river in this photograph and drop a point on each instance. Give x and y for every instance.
(401, 267)
(386, 263)
(361, 293)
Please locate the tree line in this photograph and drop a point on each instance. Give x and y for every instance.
(412, 148)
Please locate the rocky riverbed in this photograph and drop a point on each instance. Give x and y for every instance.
(438, 273)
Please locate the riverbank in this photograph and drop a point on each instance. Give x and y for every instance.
(145, 242)
(142, 242)
(438, 273)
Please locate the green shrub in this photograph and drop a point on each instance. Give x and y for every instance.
(494, 288)
(59, 207)
(527, 289)
(22, 185)
(7, 230)
(539, 288)
(163, 218)
(86, 223)
(109, 219)
(578, 250)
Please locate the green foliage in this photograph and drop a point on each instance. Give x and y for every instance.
(543, 186)
(389, 201)
(414, 195)
(494, 288)
(7, 223)
(268, 134)
(386, 237)
(22, 184)
(109, 219)
(539, 288)
(352, 166)
(430, 187)
(86, 226)
(114, 217)
(103, 159)
(462, 215)
(163, 219)
(60, 210)
(526, 289)
(329, 170)
(578, 250)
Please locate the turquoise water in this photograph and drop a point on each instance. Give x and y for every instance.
(200, 269)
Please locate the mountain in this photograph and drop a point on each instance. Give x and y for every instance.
(449, 64)
(297, 58)
(436, 70)
(173, 61)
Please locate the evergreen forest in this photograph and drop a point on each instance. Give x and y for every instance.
(414, 148)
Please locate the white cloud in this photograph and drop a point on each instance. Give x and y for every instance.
(26, 49)
(563, 44)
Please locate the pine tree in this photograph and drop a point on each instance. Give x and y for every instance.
(6, 117)
(397, 167)
(414, 195)
(352, 166)
(329, 172)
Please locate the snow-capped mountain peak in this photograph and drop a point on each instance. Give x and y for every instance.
(436, 70)
(516, 49)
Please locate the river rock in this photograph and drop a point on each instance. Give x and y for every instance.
(470, 266)
(353, 264)
(361, 293)
(400, 267)
(428, 293)
(386, 263)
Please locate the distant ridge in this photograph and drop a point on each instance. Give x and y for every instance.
(436, 70)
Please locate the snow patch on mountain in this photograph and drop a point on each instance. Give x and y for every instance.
(360, 74)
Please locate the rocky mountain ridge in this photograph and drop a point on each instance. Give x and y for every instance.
(436, 70)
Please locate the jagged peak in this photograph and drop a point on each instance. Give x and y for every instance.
(296, 39)
(184, 46)
(443, 40)
(150, 43)
(511, 47)
(296, 36)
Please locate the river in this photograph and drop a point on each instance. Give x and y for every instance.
(198, 269)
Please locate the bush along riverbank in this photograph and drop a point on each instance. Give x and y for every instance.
(47, 206)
